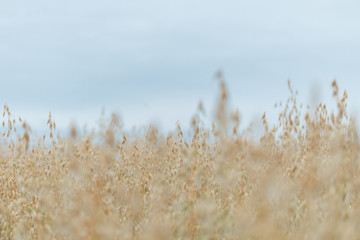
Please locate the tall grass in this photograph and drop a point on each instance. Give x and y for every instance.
(299, 181)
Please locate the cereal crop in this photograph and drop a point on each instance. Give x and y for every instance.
(300, 180)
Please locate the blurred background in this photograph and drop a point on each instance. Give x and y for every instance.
(153, 61)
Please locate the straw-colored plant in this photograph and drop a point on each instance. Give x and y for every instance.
(299, 181)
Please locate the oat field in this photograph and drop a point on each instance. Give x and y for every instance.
(299, 181)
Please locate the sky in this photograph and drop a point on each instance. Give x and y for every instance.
(153, 61)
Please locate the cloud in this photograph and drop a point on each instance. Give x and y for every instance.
(76, 54)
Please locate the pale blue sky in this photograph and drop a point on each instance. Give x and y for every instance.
(152, 61)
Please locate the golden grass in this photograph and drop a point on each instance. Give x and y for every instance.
(299, 181)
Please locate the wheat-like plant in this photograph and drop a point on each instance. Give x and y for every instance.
(299, 181)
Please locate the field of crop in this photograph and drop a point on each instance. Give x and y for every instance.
(299, 181)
